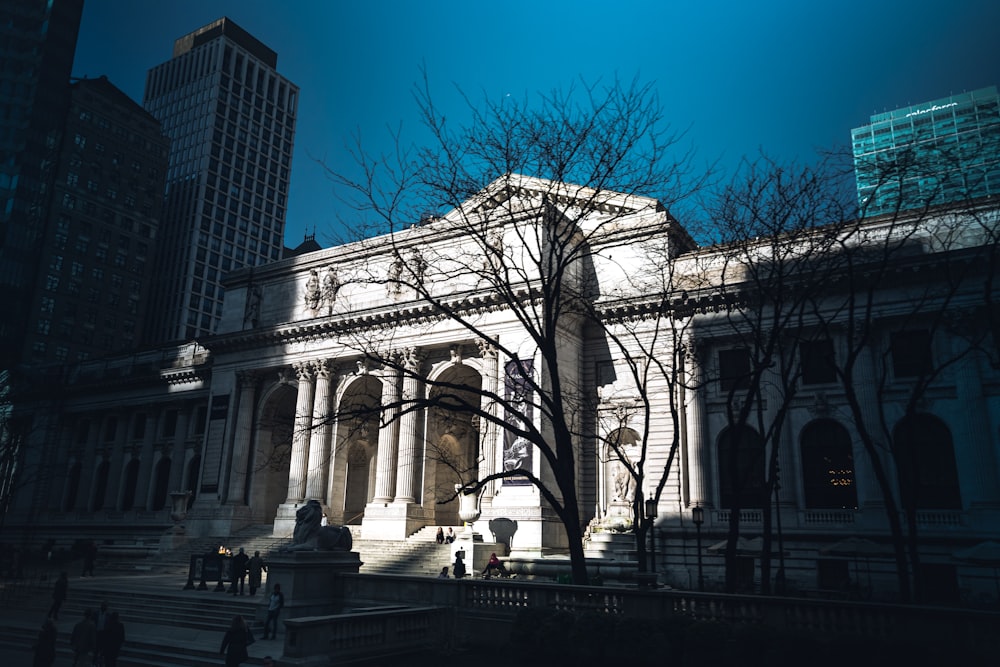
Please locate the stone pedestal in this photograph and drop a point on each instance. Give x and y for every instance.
(309, 581)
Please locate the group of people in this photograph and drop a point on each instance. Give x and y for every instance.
(458, 567)
(445, 538)
(243, 568)
(96, 639)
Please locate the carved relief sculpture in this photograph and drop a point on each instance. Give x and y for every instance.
(312, 294)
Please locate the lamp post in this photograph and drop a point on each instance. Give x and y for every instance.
(651, 515)
(698, 518)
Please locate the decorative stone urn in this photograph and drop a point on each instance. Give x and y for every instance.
(178, 508)
(468, 507)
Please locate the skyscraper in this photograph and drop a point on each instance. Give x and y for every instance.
(231, 119)
(95, 264)
(936, 152)
(37, 43)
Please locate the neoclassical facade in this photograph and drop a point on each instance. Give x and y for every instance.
(346, 376)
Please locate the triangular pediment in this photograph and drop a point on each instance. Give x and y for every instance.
(516, 193)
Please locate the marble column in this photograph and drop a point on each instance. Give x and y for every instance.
(869, 490)
(242, 439)
(319, 441)
(489, 462)
(694, 417)
(297, 470)
(409, 427)
(388, 438)
(976, 458)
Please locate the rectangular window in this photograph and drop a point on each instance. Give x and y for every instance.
(818, 365)
(911, 353)
(734, 369)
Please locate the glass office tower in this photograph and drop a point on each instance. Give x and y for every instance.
(231, 120)
(942, 151)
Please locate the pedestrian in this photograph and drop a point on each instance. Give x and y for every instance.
(84, 638)
(458, 569)
(45, 645)
(89, 556)
(255, 566)
(101, 621)
(440, 535)
(114, 638)
(449, 536)
(235, 642)
(239, 572)
(59, 592)
(274, 605)
(444, 573)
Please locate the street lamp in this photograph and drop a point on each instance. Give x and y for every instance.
(651, 515)
(698, 518)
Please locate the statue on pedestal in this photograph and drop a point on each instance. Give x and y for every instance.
(311, 535)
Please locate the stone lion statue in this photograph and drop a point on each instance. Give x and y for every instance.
(311, 535)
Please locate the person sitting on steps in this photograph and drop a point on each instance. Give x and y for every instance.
(494, 564)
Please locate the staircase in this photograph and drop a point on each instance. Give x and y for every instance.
(418, 555)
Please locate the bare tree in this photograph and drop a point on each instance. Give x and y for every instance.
(525, 246)
(908, 306)
(775, 228)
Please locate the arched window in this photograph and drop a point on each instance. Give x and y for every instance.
(161, 481)
(828, 466)
(72, 487)
(925, 463)
(100, 485)
(131, 481)
(741, 469)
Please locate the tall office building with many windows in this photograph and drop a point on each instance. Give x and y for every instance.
(937, 152)
(37, 43)
(95, 265)
(231, 119)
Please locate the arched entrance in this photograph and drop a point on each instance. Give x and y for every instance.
(353, 476)
(272, 452)
(452, 447)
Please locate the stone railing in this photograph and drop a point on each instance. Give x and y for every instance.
(498, 601)
(313, 640)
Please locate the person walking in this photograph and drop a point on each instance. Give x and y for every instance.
(235, 642)
(101, 621)
(274, 605)
(114, 638)
(255, 566)
(239, 572)
(59, 593)
(45, 645)
(84, 639)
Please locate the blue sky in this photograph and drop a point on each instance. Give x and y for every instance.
(785, 77)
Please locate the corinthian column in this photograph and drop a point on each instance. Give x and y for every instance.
(388, 438)
(242, 438)
(300, 434)
(488, 463)
(409, 427)
(694, 416)
(319, 443)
